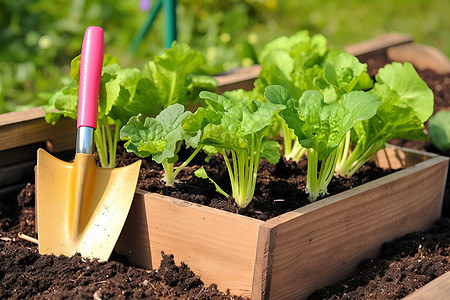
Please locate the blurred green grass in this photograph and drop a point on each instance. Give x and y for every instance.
(39, 38)
(351, 21)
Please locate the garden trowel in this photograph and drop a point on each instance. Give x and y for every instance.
(81, 208)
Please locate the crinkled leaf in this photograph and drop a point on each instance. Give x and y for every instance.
(383, 127)
(129, 94)
(277, 68)
(293, 62)
(299, 42)
(259, 116)
(63, 103)
(200, 83)
(270, 149)
(155, 136)
(229, 124)
(402, 86)
(143, 138)
(319, 125)
(171, 73)
(344, 71)
(407, 103)
(239, 95)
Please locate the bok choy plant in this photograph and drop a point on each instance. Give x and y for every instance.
(236, 129)
(302, 62)
(406, 103)
(159, 137)
(126, 92)
(320, 127)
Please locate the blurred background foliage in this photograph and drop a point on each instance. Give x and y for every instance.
(39, 38)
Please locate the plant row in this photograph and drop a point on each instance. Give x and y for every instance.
(320, 103)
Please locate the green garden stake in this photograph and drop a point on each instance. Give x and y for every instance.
(170, 33)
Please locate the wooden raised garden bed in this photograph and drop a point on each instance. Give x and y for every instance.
(287, 257)
(290, 256)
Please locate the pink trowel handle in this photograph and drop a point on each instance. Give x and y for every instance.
(90, 73)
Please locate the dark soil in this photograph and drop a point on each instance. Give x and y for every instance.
(403, 266)
(25, 274)
(280, 188)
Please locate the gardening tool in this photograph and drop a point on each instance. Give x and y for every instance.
(81, 207)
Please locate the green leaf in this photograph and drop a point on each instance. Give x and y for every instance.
(155, 136)
(143, 139)
(439, 127)
(400, 84)
(406, 103)
(293, 62)
(270, 150)
(319, 125)
(228, 123)
(171, 73)
(128, 94)
(63, 103)
(200, 83)
(344, 71)
(75, 68)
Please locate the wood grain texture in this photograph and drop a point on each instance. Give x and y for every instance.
(290, 256)
(324, 242)
(394, 157)
(263, 265)
(29, 127)
(218, 246)
(438, 289)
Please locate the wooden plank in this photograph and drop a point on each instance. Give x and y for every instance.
(421, 56)
(438, 289)
(20, 132)
(378, 44)
(21, 116)
(324, 242)
(218, 246)
(263, 264)
(394, 157)
(241, 78)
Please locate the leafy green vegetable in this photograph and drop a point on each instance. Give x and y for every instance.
(236, 129)
(406, 103)
(439, 127)
(320, 127)
(159, 137)
(128, 92)
(172, 74)
(343, 73)
(123, 93)
(302, 62)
